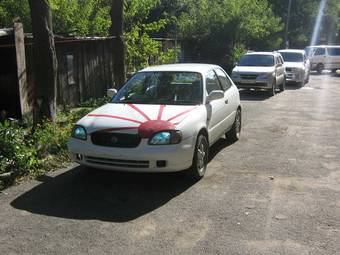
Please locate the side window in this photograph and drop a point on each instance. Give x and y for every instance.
(212, 82)
(224, 80)
(282, 61)
(320, 52)
(334, 51)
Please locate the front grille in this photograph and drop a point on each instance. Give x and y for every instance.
(118, 162)
(115, 140)
(289, 69)
(251, 85)
(249, 76)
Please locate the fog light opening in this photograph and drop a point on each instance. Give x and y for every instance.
(79, 156)
(161, 163)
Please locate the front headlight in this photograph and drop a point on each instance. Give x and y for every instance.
(166, 137)
(79, 132)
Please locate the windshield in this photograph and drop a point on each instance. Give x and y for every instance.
(309, 51)
(292, 57)
(176, 88)
(256, 60)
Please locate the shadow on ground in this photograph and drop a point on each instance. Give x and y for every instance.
(253, 95)
(220, 145)
(82, 193)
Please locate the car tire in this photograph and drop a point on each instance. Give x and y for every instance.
(307, 79)
(200, 159)
(283, 85)
(319, 68)
(272, 91)
(301, 84)
(234, 133)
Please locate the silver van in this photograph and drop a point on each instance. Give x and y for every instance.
(324, 57)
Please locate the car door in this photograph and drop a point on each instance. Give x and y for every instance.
(280, 72)
(306, 64)
(215, 109)
(230, 97)
(319, 56)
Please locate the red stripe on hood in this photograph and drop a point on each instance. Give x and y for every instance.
(160, 112)
(113, 117)
(139, 111)
(182, 113)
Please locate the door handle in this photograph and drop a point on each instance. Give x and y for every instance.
(226, 101)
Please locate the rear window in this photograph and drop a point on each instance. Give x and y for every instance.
(333, 51)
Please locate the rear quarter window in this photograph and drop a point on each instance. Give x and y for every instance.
(333, 51)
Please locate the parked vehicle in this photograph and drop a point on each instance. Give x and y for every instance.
(324, 57)
(162, 120)
(297, 66)
(260, 70)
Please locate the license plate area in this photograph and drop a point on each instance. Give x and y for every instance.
(248, 81)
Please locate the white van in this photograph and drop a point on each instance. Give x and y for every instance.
(324, 57)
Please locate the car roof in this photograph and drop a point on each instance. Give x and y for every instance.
(261, 53)
(324, 46)
(292, 50)
(190, 67)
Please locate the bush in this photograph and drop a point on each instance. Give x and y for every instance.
(17, 153)
(24, 152)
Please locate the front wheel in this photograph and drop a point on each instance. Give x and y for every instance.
(319, 68)
(307, 79)
(200, 160)
(283, 85)
(272, 91)
(234, 133)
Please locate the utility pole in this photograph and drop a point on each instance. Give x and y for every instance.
(287, 24)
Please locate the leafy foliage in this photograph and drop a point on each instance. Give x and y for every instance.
(211, 29)
(140, 46)
(10, 9)
(23, 152)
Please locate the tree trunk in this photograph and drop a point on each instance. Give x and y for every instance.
(118, 42)
(45, 62)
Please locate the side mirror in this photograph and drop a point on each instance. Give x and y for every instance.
(111, 92)
(235, 63)
(214, 95)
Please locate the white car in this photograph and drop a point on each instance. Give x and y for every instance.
(324, 57)
(297, 66)
(260, 70)
(162, 120)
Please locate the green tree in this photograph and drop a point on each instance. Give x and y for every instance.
(138, 30)
(213, 30)
(10, 9)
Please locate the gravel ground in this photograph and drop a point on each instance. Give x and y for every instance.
(276, 191)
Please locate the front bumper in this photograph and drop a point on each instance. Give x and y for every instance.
(253, 84)
(294, 77)
(144, 158)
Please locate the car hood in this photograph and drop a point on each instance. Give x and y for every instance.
(294, 64)
(254, 69)
(129, 118)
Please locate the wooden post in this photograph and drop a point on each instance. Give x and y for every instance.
(19, 38)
